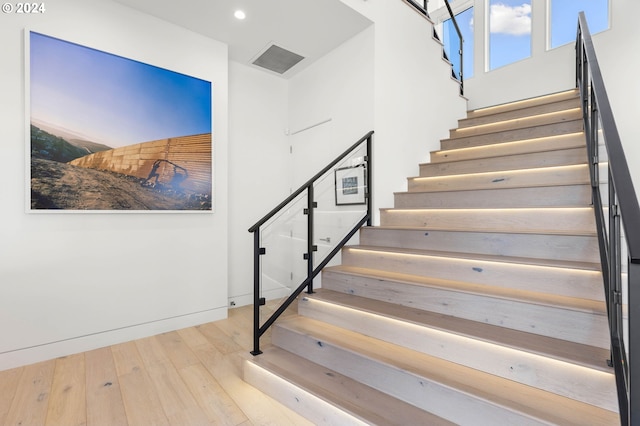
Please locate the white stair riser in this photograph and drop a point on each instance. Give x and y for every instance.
(512, 162)
(405, 385)
(567, 175)
(562, 378)
(560, 247)
(548, 280)
(514, 135)
(567, 221)
(526, 122)
(574, 326)
(551, 143)
(573, 102)
(543, 196)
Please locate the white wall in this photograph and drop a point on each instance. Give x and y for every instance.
(258, 164)
(71, 282)
(338, 87)
(416, 101)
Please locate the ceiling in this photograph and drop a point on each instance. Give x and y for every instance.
(310, 28)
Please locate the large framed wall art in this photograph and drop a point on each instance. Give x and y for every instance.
(111, 134)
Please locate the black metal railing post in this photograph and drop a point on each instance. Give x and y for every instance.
(257, 251)
(311, 248)
(369, 162)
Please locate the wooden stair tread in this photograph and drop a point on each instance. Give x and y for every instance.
(515, 231)
(525, 103)
(523, 122)
(357, 399)
(573, 220)
(553, 263)
(544, 144)
(572, 174)
(562, 196)
(513, 113)
(576, 353)
(563, 302)
(512, 135)
(569, 247)
(530, 160)
(498, 391)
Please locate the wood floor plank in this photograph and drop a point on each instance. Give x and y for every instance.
(220, 340)
(179, 405)
(104, 398)
(177, 350)
(67, 404)
(126, 358)
(9, 380)
(141, 401)
(29, 406)
(211, 397)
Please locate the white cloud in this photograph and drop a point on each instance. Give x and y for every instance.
(512, 20)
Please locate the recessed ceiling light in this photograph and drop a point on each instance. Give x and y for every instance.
(239, 14)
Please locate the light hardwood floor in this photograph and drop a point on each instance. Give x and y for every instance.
(186, 377)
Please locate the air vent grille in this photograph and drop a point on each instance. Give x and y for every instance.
(277, 59)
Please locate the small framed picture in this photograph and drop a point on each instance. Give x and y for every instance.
(351, 185)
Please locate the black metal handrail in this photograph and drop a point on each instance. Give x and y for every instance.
(312, 272)
(623, 210)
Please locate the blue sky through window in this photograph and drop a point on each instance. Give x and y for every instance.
(564, 18)
(510, 31)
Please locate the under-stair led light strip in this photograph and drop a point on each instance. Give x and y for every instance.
(513, 120)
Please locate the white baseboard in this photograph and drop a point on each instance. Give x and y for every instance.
(20, 357)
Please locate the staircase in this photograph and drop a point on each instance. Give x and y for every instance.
(477, 301)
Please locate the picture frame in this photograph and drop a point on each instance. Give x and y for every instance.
(110, 134)
(351, 185)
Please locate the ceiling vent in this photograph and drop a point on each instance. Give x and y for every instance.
(277, 59)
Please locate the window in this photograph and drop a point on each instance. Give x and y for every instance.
(510, 31)
(564, 18)
(451, 43)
